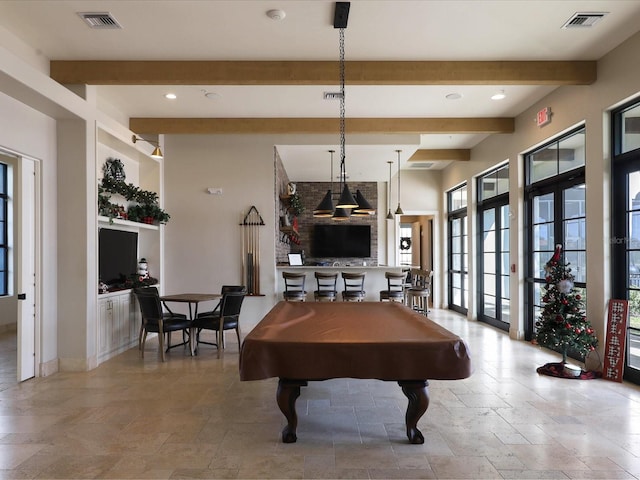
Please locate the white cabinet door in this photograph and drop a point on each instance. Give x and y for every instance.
(118, 325)
(105, 320)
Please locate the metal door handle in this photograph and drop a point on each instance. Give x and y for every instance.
(22, 296)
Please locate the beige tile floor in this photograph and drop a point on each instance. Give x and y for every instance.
(193, 418)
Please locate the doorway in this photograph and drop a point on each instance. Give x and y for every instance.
(415, 248)
(18, 293)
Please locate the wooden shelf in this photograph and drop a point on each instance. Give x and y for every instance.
(288, 229)
(126, 223)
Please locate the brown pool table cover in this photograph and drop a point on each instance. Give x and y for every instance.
(377, 340)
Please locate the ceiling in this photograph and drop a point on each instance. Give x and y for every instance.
(381, 32)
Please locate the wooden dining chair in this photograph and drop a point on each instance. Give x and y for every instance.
(223, 290)
(227, 318)
(155, 320)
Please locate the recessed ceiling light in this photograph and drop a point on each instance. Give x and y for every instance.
(498, 95)
(170, 96)
(454, 96)
(276, 14)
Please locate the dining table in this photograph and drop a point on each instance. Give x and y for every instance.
(193, 299)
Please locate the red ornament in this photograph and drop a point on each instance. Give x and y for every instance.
(577, 331)
(567, 325)
(578, 297)
(589, 331)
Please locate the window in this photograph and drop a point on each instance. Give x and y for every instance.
(555, 214)
(458, 253)
(493, 251)
(4, 231)
(625, 215)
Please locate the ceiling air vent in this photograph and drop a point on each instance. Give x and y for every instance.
(99, 20)
(585, 19)
(420, 165)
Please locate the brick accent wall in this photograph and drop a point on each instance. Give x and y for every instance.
(311, 194)
(282, 246)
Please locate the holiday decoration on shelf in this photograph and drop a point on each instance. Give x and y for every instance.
(563, 325)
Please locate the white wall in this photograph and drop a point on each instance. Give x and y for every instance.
(26, 132)
(202, 241)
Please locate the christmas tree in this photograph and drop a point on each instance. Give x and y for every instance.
(562, 324)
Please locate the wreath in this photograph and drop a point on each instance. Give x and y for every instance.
(405, 243)
(114, 168)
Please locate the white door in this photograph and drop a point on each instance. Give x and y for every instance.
(26, 271)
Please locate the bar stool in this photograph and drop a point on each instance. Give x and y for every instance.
(326, 291)
(294, 287)
(418, 293)
(353, 287)
(395, 287)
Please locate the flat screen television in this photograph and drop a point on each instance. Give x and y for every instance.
(117, 255)
(340, 241)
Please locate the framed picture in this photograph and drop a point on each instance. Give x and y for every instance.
(295, 259)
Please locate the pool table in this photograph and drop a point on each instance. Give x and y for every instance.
(300, 342)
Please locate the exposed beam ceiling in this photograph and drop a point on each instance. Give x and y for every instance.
(323, 73)
(319, 125)
(434, 155)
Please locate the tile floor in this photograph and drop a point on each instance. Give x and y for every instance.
(193, 418)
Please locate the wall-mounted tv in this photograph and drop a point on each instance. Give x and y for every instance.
(117, 255)
(340, 241)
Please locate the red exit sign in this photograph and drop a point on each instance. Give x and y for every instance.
(543, 117)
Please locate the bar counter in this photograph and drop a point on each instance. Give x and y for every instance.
(374, 280)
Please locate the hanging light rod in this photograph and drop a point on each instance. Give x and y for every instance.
(157, 153)
(389, 215)
(325, 208)
(399, 209)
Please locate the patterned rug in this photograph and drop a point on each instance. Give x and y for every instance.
(557, 370)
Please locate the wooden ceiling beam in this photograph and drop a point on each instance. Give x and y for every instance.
(435, 155)
(319, 125)
(93, 72)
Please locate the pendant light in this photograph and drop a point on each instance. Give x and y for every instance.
(389, 215)
(325, 208)
(399, 209)
(346, 198)
(347, 204)
(364, 207)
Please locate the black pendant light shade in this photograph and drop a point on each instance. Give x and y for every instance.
(346, 199)
(341, 214)
(325, 208)
(364, 207)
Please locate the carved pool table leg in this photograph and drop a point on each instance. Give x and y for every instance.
(416, 392)
(287, 394)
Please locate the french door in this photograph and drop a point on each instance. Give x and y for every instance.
(625, 241)
(493, 263)
(458, 261)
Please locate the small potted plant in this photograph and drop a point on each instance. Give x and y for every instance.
(295, 204)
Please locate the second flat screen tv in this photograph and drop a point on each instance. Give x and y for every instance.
(340, 241)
